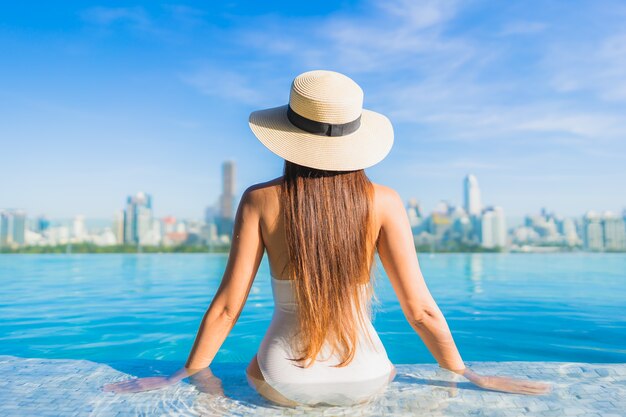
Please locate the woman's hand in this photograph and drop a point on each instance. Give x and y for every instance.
(139, 384)
(205, 381)
(506, 384)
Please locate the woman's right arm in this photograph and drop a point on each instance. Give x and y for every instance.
(396, 249)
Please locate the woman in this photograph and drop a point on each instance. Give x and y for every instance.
(321, 223)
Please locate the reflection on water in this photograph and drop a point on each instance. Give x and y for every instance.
(474, 271)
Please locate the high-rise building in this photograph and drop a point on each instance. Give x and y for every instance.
(461, 227)
(12, 228)
(79, 231)
(227, 199)
(169, 224)
(209, 233)
(118, 226)
(568, 229)
(210, 213)
(138, 218)
(493, 228)
(414, 213)
(228, 190)
(6, 229)
(19, 227)
(593, 232)
(471, 196)
(42, 224)
(415, 206)
(439, 225)
(614, 232)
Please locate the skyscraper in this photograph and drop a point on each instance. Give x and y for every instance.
(568, 230)
(471, 194)
(614, 232)
(19, 227)
(78, 229)
(42, 224)
(12, 228)
(137, 218)
(493, 228)
(415, 205)
(6, 229)
(414, 212)
(118, 226)
(227, 199)
(593, 233)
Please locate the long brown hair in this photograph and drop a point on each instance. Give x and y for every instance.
(328, 224)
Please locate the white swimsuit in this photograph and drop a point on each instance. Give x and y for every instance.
(366, 375)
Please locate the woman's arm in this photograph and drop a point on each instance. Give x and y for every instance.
(244, 259)
(397, 253)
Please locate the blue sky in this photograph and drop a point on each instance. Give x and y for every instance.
(101, 100)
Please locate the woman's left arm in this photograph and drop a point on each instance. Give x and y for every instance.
(244, 259)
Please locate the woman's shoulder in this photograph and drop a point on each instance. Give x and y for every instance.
(265, 186)
(387, 201)
(259, 194)
(385, 194)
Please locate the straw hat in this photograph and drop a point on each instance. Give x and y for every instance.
(324, 126)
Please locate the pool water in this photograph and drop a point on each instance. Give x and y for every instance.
(500, 307)
(67, 387)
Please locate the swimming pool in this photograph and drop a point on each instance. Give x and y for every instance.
(139, 313)
(500, 307)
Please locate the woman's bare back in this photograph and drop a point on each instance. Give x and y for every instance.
(273, 227)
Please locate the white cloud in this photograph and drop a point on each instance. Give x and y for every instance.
(419, 73)
(223, 84)
(419, 14)
(135, 16)
(582, 124)
(388, 36)
(594, 66)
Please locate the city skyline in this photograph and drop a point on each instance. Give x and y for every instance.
(215, 202)
(227, 199)
(469, 226)
(212, 208)
(102, 101)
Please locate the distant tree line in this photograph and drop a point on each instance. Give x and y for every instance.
(92, 248)
(456, 247)
(451, 247)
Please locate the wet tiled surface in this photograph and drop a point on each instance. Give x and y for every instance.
(59, 387)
